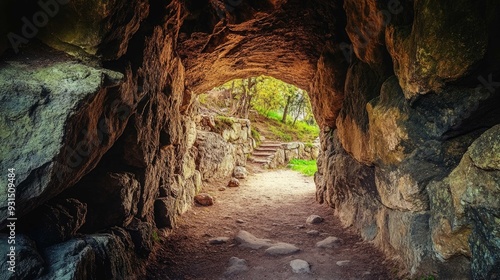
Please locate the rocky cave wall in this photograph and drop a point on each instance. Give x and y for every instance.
(97, 119)
(398, 164)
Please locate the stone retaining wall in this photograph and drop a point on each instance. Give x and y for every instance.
(222, 143)
(294, 150)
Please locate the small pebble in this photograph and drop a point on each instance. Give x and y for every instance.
(236, 266)
(282, 249)
(218, 240)
(204, 199)
(233, 183)
(342, 263)
(329, 242)
(300, 266)
(313, 232)
(314, 219)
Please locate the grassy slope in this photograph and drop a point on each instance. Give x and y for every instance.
(272, 128)
(270, 125)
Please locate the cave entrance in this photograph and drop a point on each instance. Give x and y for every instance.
(284, 109)
(266, 122)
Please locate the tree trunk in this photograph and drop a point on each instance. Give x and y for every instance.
(248, 94)
(247, 108)
(285, 112)
(298, 111)
(232, 98)
(240, 109)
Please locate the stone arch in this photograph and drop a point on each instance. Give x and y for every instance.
(293, 41)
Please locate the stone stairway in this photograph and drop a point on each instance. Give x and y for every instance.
(265, 153)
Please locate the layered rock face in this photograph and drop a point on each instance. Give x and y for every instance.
(110, 141)
(418, 103)
(97, 119)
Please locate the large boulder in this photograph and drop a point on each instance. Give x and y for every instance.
(165, 214)
(112, 199)
(348, 186)
(58, 119)
(105, 256)
(413, 145)
(361, 86)
(142, 236)
(240, 172)
(54, 222)
(216, 157)
(466, 203)
(25, 260)
(328, 84)
(445, 42)
(73, 259)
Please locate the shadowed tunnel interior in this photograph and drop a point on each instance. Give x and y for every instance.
(98, 119)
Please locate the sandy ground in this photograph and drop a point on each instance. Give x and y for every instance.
(273, 205)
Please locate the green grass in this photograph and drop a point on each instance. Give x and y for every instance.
(306, 167)
(280, 133)
(274, 116)
(300, 131)
(306, 129)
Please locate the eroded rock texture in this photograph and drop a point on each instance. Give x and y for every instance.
(398, 165)
(97, 119)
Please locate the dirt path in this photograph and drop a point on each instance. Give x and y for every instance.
(272, 205)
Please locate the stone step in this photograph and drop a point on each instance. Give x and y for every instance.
(262, 154)
(271, 142)
(258, 160)
(263, 145)
(264, 150)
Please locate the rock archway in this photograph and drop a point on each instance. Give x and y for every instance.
(405, 92)
(293, 41)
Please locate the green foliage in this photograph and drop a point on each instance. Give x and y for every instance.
(266, 94)
(274, 116)
(270, 94)
(306, 167)
(271, 98)
(222, 123)
(241, 93)
(224, 120)
(255, 135)
(203, 99)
